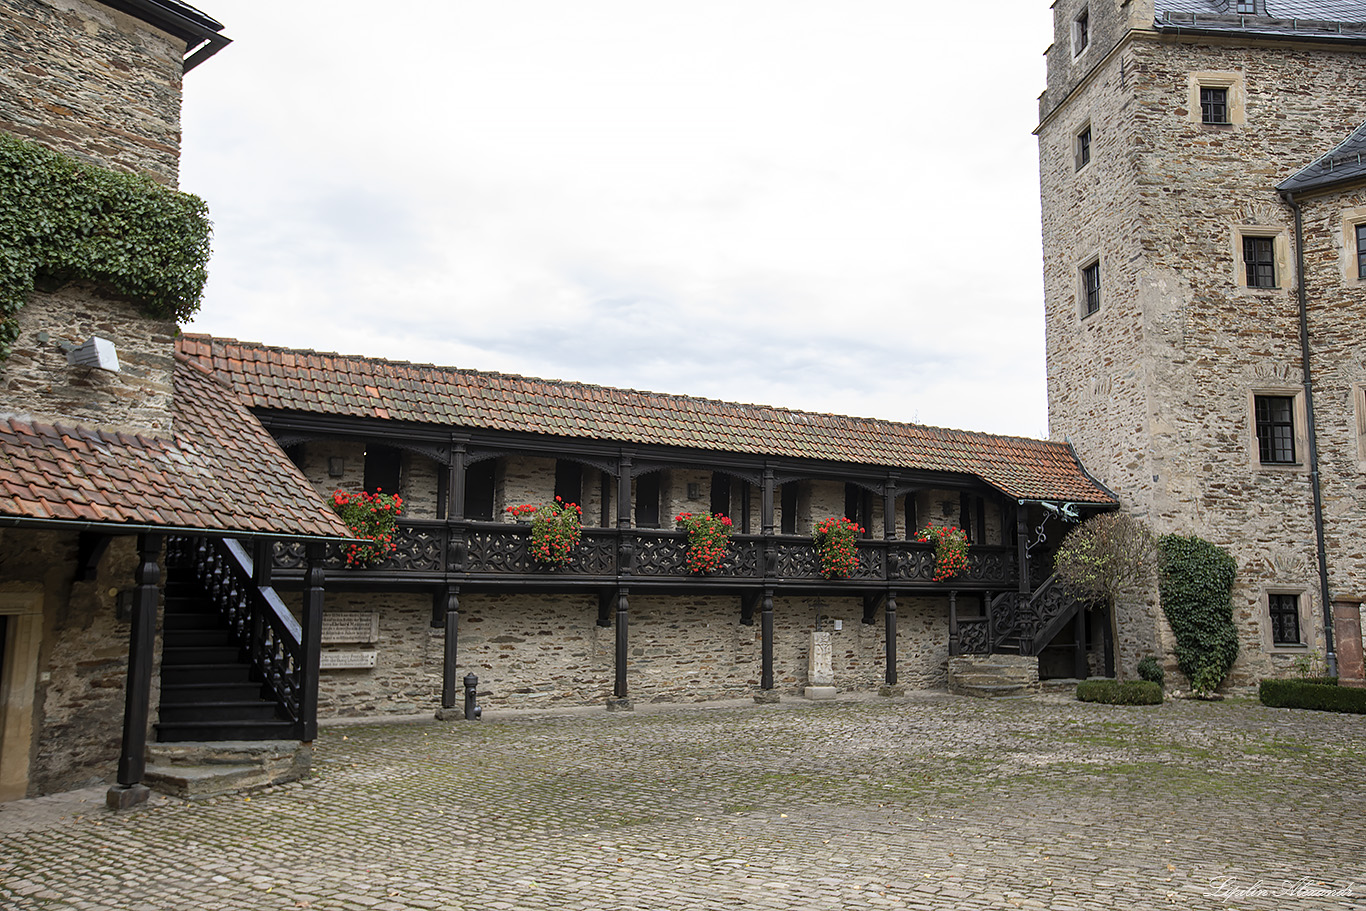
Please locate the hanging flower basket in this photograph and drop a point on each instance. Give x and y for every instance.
(555, 529)
(836, 542)
(372, 516)
(708, 539)
(950, 550)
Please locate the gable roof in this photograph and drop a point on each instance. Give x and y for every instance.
(1321, 19)
(1343, 164)
(222, 473)
(283, 379)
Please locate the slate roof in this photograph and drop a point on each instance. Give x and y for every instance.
(221, 473)
(1343, 164)
(282, 379)
(1322, 19)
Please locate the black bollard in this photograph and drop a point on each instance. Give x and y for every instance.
(472, 709)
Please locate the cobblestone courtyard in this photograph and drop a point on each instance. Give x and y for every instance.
(931, 801)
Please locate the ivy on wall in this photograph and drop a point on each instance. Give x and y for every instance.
(1196, 585)
(64, 221)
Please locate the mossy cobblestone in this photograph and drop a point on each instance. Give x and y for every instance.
(926, 801)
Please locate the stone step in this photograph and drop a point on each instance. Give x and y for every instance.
(993, 690)
(196, 771)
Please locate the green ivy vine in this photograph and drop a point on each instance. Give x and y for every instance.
(1196, 585)
(64, 221)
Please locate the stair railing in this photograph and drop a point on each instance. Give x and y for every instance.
(263, 625)
(1033, 620)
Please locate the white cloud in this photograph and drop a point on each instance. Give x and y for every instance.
(818, 205)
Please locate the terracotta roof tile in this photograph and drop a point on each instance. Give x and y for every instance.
(279, 378)
(221, 471)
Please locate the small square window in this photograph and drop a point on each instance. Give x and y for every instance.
(1259, 259)
(1090, 282)
(1247, 6)
(1285, 619)
(1361, 251)
(1213, 104)
(1081, 31)
(1275, 415)
(1084, 147)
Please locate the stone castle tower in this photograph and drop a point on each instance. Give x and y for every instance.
(1201, 202)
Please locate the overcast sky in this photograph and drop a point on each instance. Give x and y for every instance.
(823, 205)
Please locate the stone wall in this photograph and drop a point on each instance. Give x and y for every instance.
(96, 84)
(83, 656)
(530, 649)
(1155, 390)
(37, 381)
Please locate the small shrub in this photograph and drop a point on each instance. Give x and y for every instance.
(1300, 694)
(1115, 692)
(1150, 669)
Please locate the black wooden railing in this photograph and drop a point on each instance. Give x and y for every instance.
(427, 550)
(1016, 621)
(269, 635)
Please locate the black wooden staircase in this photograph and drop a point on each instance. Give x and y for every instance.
(1020, 623)
(231, 665)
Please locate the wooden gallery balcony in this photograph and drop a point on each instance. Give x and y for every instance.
(434, 553)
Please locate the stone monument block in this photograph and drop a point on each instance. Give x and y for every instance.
(820, 669)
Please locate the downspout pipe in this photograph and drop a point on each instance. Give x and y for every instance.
(1330, 659)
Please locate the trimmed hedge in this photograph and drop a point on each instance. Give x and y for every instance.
(1300, 694)
(1150, 669)
(1115, 692)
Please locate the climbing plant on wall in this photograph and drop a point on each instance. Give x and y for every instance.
(1196, 585)
(63, 221)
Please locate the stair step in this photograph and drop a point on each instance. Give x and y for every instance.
(176, 622)
(176, 731)
(200, 654)
(191, 693)
(221, 672)
(251, 710)
(199, 638)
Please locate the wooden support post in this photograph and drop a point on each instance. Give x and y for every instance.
(766, 503)
(449, 601)
(312, 644)
(889, 509)
(137, 696)
(262, 562)
(1079, 669)
(623, 607)
(889, 611)
(870, 603)
(605, 499)
(766, 680)
(748, 601)
(955, 647)
(1022, 547)
(455, 483)
(624, 491)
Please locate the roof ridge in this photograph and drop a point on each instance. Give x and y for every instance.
(578, 384)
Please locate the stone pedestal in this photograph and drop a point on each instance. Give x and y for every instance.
(820, 670)
(125, 797)
(619, 704)
(1347, 641)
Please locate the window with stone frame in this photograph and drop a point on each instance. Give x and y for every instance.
(1248, 7)
(1275, 417)
(1214, 104)
(1359, 402)
(1083, 147)
(1285, 619)
(1090, 288)
(1360, 232)
(1081, 31)
(1259, 261)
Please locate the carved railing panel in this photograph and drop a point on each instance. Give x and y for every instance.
(257, 617)
(910, 562)
(995, 565)
(797, 561)
(974, 637)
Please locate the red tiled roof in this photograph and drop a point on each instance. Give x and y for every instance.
(222, 472)
(323, 383)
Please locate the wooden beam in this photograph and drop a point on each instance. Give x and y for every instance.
(449, 600)
(766, 679)
(311, 638)
(623, 608)
(889, 611)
